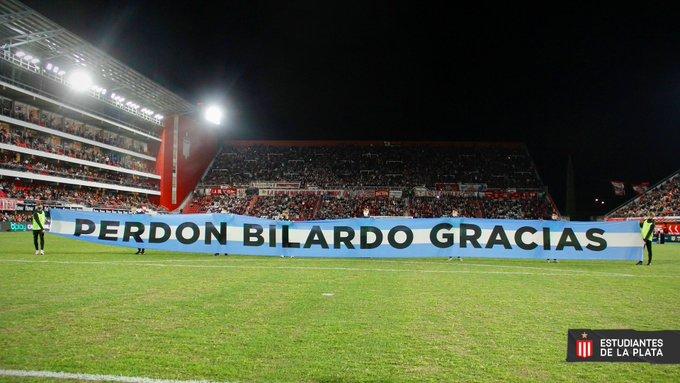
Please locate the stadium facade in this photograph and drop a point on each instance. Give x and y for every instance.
(75, 119)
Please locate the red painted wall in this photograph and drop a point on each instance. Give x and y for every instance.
(197, 146)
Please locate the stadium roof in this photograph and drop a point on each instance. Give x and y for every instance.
(21, 26)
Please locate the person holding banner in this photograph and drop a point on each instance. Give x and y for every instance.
(647, 233)
(140, 250)
(454, 214)
(39, 221)
(222, 211)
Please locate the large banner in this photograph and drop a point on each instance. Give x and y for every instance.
(356, 237)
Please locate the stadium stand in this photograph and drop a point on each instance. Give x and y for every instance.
(327, 180)
(660, 201)
(76, 150)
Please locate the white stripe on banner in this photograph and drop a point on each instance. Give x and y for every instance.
(420, 236)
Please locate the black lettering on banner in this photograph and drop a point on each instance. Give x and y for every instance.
(211, 231)
(568, 238)
(591, 236)
(153, 232)
(474, 238)
(252, 234)
(339, 238)
(363, 237)
(285, 238)
(393, 232)
(83, 227)
(316, 237)
(136, 234)
(498, 237)
(546, 238)
(448, 237)
(105, 230)
(194, 235)
(520, 242)
(272, 235)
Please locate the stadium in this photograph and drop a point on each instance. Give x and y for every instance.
(316, 260)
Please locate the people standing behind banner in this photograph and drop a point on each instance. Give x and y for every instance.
(223, 210)
(662, 236)
(647, 232)
(366, 212)
(140, 250)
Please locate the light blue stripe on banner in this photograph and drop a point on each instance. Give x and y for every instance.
(581, 240)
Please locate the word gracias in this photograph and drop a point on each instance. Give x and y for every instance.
(398, 237)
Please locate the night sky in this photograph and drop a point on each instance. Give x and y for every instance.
(601, 84)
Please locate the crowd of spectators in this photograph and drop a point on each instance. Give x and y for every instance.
(297, 207)
(50, 193)
(363, 165)
(67, 125)
(34, 140)
(220, 204)
(24, 163)
(311, 206)
(481, 207)
(15, 216)
(662, 201)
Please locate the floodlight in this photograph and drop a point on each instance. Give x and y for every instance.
(49, 66)
(35, 61)
(80, 80)
(213, 114)
(55, 69)
(28, 58)
(20, 54)
(61, 73)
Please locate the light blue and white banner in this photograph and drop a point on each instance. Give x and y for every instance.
(356, 237)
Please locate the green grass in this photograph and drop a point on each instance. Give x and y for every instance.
(103, 310)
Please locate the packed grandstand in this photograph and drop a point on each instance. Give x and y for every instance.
(301, 180)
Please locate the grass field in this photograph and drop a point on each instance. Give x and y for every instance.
(99, 310)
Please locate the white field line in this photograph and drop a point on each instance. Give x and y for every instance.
(338, 268)
(90, 377)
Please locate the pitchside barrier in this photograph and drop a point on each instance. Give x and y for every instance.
(356, 237)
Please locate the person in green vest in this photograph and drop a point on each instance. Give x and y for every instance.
(39, 221)
(647, 233)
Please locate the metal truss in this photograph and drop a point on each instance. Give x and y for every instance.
(21, 26)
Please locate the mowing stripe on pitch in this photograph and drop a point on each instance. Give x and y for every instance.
(438, 262)
(91, 377)
(338, 268)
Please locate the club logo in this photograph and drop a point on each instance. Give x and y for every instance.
(584, 347)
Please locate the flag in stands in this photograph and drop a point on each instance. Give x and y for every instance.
(619, 187)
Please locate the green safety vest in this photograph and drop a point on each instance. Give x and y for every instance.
(41, 218)
(646, 228)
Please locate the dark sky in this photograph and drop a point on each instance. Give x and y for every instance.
(601, 83)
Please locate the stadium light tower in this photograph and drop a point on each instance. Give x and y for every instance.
(80, 80)
(213, 114)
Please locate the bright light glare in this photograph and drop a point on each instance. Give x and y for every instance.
(49, 66)
(213, 114)
(20, 54)
(80, 80)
